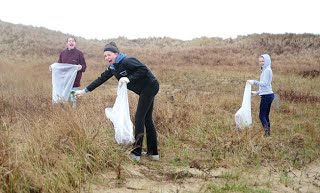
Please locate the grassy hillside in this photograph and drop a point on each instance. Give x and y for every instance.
(60, 149)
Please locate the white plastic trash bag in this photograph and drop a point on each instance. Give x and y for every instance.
(243, 116)
(120, 117)
(63, 77)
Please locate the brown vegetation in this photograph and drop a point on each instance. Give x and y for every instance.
(45, 148)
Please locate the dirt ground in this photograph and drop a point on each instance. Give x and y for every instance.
(149, 177)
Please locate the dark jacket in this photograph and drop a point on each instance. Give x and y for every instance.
(76, 57)
(137, 72)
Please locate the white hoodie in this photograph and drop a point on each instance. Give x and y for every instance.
(264, 83)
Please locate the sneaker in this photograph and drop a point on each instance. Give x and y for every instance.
(267, 132)
(152, 157)
(134, 157)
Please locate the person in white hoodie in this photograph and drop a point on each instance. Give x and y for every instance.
(265, 91)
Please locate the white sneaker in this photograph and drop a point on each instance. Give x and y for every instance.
(152, 157)
(134, 157)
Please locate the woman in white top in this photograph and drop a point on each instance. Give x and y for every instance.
(265, 91)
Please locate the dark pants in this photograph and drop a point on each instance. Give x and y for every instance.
(143, 118)
(265, 106)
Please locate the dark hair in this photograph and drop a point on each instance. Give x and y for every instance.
(72, 38)
(112, 47)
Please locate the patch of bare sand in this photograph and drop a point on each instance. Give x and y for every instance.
(305, 180)
(140, 178)
(147, 177)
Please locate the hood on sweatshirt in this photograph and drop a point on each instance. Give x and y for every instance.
(267, 61)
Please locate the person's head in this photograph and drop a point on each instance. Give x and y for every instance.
(111, 52)
(71, 42)
(264, 60)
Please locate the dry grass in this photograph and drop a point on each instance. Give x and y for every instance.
(47, 148)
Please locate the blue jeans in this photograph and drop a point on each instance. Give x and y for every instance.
(265, 106)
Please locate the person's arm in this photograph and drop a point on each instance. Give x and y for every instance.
(265, 79)
(100, 80)
(94, 84)
(82, 62)
(60, 59)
